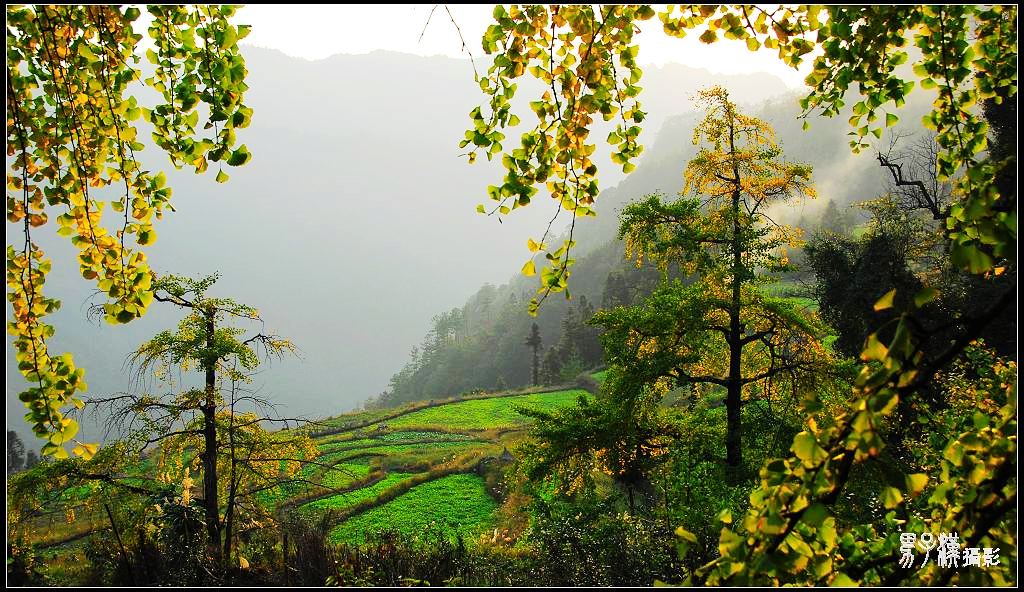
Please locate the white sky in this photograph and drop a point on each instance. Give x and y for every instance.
(318, 31)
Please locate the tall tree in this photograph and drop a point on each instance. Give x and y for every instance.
(968, 55)
(722, 234)
(207, 340)
(31, 459)
(585, 336)
(834, 220)
(534, 341)
(578, 347)
(15, 452)
(615, 292)
(71, 130)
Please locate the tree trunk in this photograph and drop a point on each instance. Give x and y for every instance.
(229, 521)
(229, 511)
(733, 400)
(210, 450)
(536, 382)
(120, 544)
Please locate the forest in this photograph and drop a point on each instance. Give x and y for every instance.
(761, 337)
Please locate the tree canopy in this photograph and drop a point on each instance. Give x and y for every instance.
(72, 133)
(585, 57)
(721, 329)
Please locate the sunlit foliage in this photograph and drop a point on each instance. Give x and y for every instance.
(585, 58)
(73, 139)
(966, 54)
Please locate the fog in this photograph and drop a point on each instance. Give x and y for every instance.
(351, 227)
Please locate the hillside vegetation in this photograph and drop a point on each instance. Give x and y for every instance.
(391, 470)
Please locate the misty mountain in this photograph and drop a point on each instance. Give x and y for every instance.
(353, 224)
(482, 344)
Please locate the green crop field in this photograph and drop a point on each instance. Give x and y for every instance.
(791, 291)
(390, 449)
(416, 441)
(339, 446)
(425, 438)
(329, 459)
(495, 412)
(808, 303)
(422, 436)
(336, 477)
(352, 419)
(343, 475)
(455, 504)
(348, 499)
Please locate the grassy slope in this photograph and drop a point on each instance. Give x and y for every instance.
(454, 504)
(498, 412)
(346, 500)
(428, 439)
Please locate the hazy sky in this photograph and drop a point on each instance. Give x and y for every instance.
(316, 32)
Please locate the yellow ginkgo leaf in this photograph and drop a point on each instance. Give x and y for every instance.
(885, 302)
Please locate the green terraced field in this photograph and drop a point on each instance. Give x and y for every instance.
(391, 449)
(340, 437)
(792, 292)
(808, 303)
(425, 438)
(455, 504)
(353, 419)
(422, 437)
(417, 439)
(360, 460)
(496, 412)
(339, 446)
(329, 458)
(344, 474)
(348, 499)
(336, 477)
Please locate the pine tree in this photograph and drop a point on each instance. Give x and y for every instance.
(534, 341)
(721, 331)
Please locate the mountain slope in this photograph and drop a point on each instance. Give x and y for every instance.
(353, 223)
(485, 347)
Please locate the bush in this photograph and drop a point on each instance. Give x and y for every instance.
(167, 548)
(23, 565)
(393, 558)
(585, 542)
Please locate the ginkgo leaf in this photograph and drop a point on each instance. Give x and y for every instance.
(874, 350)
(916, 483)
(885, 302)
(925, 296)
(891, 497)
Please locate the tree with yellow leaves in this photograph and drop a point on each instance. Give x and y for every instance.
(73, 138)
(236, 456)
(211, 438)
(722, 329)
